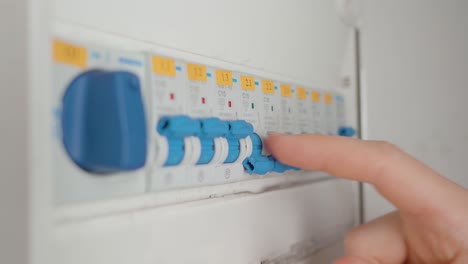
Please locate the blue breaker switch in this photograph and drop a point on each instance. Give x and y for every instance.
(207, 150)
(238, 129)
(210, 129)
(257, 145)
(178, 126)
(176, 151)
(234, 150)
(213, 127)
(258, 164)
(175, 129)
(103, 122)
(280, 167)
(346, 131)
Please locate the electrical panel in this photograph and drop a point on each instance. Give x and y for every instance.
(141, 129)
(129, 123)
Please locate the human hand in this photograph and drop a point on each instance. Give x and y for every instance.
(431, 224)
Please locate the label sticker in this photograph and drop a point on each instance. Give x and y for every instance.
(286, 90)
(247, 83)
(70, 54)
(268, 87)
(328, 98)
(196, 72)
(164, 66)
(301, 92)
(223, 78)
(315, 95)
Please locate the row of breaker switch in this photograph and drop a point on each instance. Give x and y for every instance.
(104, 126)
(213, 141)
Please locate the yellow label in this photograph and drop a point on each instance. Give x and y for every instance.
(315, 96)
(196, 72)
(164, 66)
(224, 78)
(268, 87)
(286, 90)
(70, 54)
(328, 98)
(247, 83)
(301, 92)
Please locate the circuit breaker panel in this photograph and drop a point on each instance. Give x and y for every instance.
(157, 116)
(130, 123)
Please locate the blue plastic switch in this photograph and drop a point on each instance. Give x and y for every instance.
(103, 122)
(210, 129)
(280, 167)
(258, 164)
(257, 145)
(346, 131)
(234, 150)
(213, 127)
(175, 129)
(178, 126)
(240, 129)
(207, 150)
(176, 151)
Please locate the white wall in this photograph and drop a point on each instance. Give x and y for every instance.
(415, 61)
(13, 156)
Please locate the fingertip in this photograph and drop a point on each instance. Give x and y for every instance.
(342, 260)
(407, 183)
(351, 260)
(273, 141)
(278, 145)
(274, 136)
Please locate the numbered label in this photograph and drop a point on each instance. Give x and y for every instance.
(247, 83)
(268, 87)
(164, 66)
(315, 96)
(196, 72)
(224, 78)
(286, 90)
(70, 54)
(328, 98)
(301, 92)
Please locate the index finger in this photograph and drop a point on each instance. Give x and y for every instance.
(407, 183)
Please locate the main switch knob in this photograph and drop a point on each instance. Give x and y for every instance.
(103, 122)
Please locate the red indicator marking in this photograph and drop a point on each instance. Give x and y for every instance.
(229, 103)
(203, 100)
(171, 96)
